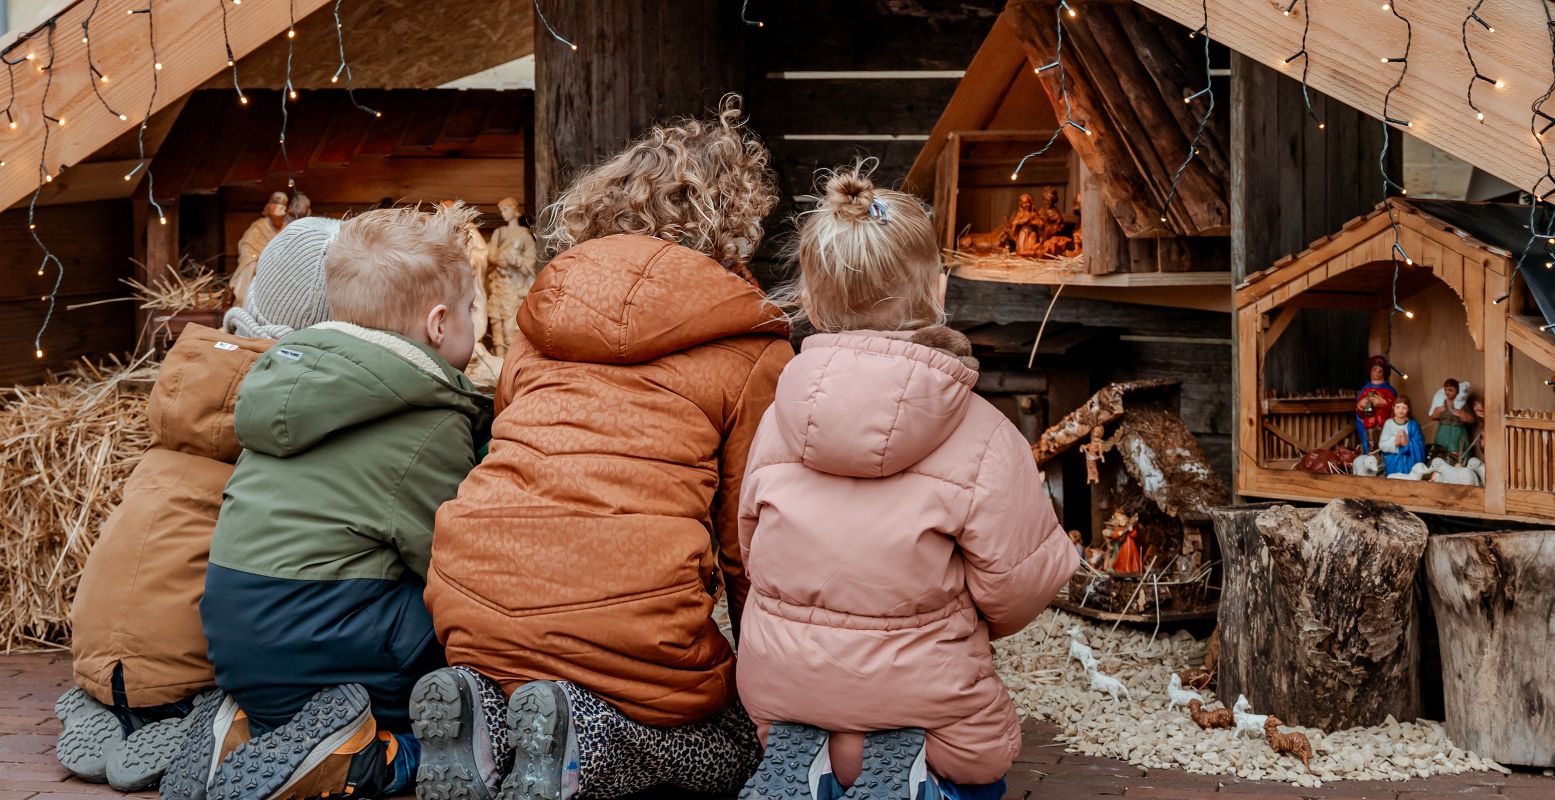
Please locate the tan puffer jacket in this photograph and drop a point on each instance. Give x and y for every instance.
(138, 604)
(589, 543)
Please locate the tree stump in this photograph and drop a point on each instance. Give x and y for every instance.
(1318, 622)
(1494, 597)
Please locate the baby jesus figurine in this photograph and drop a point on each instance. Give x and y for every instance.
(1401, 442)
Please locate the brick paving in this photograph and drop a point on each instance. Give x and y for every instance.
(29, 684)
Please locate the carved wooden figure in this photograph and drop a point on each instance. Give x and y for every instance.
(1206, 719)
(512, 257)
(1293, 743)
(254, 240)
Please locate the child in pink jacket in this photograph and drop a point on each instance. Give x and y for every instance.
(892, 524)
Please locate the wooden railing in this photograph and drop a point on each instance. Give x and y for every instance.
(1530, 450)
(1292, 426)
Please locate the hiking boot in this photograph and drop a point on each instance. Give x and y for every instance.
(213, 729)
(539, 726)
(332, 746)
(451, 712)
(894, 768)
(796, 765)
(91, 734)
(146, 753)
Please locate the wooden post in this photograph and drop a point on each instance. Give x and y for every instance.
(1318, 622)
(156, 257)
(637, 62)
(1492, 594)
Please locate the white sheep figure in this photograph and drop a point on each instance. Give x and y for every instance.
(1178, 696)
(1416, 473)
(1366, 466)
(1079, 651)
(1102, 682)
(1246, 722)
(1479, 469)
(1443, 472)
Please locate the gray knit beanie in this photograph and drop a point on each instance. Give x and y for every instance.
(288, 290)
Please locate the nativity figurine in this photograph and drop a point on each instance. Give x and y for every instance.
(254, 240)
(512, 256)
(1402, 445)
(1374, 403)
(1122, 531)
(484, 367)
(299, 207)
(1449, 408)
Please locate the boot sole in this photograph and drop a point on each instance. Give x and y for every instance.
(147, 753)
(538, 719)
(442, 707)
(90, 735)
(785, 767)
(888, 771)
(266, 766)
(192, 767)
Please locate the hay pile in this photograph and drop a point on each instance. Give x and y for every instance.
(66, 449)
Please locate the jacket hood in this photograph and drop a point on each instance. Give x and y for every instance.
(865, 404)
(336, 375)
(192, 403)
(626, 299)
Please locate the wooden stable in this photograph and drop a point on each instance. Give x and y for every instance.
(1469, 323)
(1124, 67)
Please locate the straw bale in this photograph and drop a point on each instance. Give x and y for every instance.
(66, 449)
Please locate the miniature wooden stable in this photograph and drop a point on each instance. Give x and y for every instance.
(1124, 66)
(1471, 322)
(1145, 463)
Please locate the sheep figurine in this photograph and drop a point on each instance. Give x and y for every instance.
(1218, 718)
(1366, 466)
(1416, 473)
(1102, 682)
(1178, 696)
(1079, 651)
(1443, 472)
(1293, 743)
(1479, 469)
(1248, 724)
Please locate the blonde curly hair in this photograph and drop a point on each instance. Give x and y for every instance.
(702, 183)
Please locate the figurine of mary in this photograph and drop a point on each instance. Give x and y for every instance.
(1402, 443)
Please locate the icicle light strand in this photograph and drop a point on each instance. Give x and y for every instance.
(1063, 91)
(232, 62)
(344, 68)
(95, 76)
(1305, 56)
(1397, 254)
(287, 92)
(52, 298)
(745, 17)
(1539, 123)
(1209, 111)
(547, 23)
(1473, 16)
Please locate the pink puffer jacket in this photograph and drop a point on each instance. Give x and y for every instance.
(892, 522)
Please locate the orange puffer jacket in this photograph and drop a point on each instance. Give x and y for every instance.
(138, 604)
(589, 544)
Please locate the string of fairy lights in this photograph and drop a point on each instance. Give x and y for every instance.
(1305, 56)
(1063, 8)
(1209, 109)
(100, 81)
(1396, 255)
(1537, 116)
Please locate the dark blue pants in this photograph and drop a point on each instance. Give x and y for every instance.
(275, 642)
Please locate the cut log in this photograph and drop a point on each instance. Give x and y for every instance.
(1494, 598)
(1318, 622)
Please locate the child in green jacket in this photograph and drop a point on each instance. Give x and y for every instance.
(354, 432)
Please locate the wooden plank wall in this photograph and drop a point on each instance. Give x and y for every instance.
(94, 241)
(830, 81)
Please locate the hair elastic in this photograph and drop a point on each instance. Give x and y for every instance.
(877, 210)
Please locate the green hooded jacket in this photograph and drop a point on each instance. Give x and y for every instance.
(352, 438)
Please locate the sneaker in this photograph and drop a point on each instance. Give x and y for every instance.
(539, 725)
(795, 765)
(212, 730)
(895, 768)
(146, 753)
(91, 733)
(331, 746)
(458, 756)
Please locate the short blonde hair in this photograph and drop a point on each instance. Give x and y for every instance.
(702, 183)
(868, 259)
(387, 268)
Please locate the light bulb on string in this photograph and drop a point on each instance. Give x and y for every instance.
(38, 354)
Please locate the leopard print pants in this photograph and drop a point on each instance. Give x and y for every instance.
(618, 757)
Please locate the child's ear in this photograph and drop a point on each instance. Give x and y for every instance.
(437, 325)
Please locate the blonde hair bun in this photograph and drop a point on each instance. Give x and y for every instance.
(850, 193)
